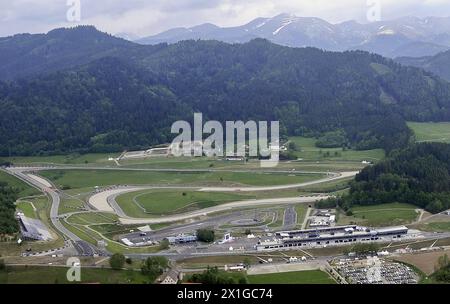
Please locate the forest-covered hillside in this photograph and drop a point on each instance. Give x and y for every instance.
(418, 175)
(128, 97)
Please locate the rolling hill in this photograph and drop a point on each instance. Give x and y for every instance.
(437, 64)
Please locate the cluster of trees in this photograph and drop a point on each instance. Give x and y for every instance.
(418, 175)
(129, 98)
(117, 261)
(364, 249)
(336, 139)
(153, 267)
(4, 163)
(205, 235)
(442, 273)
(8, 196)
(213, 276)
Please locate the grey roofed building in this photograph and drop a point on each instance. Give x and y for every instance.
(180, 239)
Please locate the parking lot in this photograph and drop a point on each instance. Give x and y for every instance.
(375, 271)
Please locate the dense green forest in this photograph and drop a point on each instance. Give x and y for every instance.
(121, 95)
(418, 175)
(437, 64)
(8, 196)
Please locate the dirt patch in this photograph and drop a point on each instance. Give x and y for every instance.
(424, 261)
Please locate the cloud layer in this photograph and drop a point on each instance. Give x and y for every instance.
(142, 17)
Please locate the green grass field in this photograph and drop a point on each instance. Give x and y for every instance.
(27, 209)
(299, 277)
(92, 218)
(381, 215)
(309, 151)
(301, 213)
(434, 132)
(439, 226)
(70, 205)
(110, 231)
(52, 275)
(72, 159)
(88, 178)
(23, 188)
(278, 223)
(159, 202)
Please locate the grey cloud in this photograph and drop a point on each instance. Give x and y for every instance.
(149, 17)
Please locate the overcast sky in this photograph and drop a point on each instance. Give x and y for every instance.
(147, 17)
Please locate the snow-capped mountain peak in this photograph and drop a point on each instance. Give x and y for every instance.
(392, 38)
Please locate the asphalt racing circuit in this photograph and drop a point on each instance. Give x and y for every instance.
(105, 201)
(82, 247)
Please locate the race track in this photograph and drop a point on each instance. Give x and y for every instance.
(105, 201)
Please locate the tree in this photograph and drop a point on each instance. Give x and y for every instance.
(117, 261)
(418, 174)
(164, 245)
(154, 267)
(443, 261)
(363, 248)
(212, 276)
(247, 263)
(8, 223)
(95, 102)
(205, 235)
(293, 146)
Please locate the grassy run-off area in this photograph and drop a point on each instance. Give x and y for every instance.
(437, 226)
(301, 213)
(432, 132)
(70, 159)
(87, 178)
(381, 215)
(298, 277)
(27, 209)
(70, 205)
(159, 202)
(90, 218)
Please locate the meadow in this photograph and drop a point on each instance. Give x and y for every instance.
(309, 151)
(58, 275)
(380, 215)
(431, 132)
(298, 277)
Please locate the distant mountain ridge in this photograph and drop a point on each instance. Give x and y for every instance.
(408, 36)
